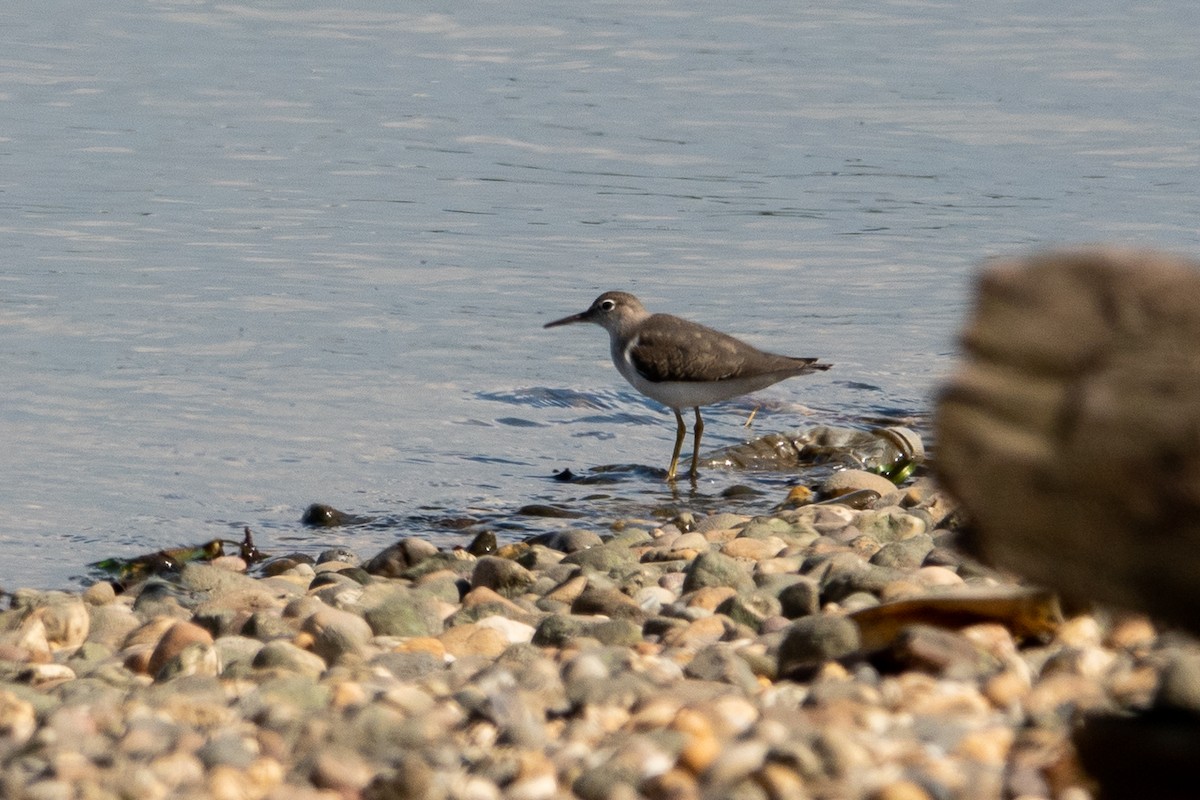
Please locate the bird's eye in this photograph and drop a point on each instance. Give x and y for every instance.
(608, 305)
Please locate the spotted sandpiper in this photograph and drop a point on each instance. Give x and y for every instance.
(683, 364)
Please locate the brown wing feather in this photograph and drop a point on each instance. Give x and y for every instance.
(674, 349)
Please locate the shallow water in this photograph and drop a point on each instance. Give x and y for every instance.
(259, 257)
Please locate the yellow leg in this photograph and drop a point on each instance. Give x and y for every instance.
(679, 432)
(696, 431)
(750, 418)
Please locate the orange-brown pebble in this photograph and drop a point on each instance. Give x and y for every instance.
(349, 694)
(721, 535)
(987, 746)
(798, 495)
(754, 549)
(937, 576)
(674, 784)
(1132, 632)
(482, 595)
(655, 712)
(1006, 689)
(342, 770)
(701, 746)
(898, 590)
(709, 597)
(18, 720)
(781, 782)
(992, 638)
(262, 776)
(1079, 631)
(150, 633)
(568, 591)
(705, 630)
(648, 648)
(30, 643)
(177, 637)
(471, 639)
(901, 790)
(422, 644)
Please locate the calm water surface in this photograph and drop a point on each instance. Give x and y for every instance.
(255, 256)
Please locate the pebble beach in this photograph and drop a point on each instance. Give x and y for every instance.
(801, 653)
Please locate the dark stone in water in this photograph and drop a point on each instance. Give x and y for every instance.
(740, 490)
(455, 523)
(483, 544)
(547, 511)
(319, 515)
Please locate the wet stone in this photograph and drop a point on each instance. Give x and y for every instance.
(846, 481)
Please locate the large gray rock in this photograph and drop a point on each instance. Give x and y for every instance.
(1071, 434)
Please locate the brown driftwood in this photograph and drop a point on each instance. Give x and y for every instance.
(1071, 435)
